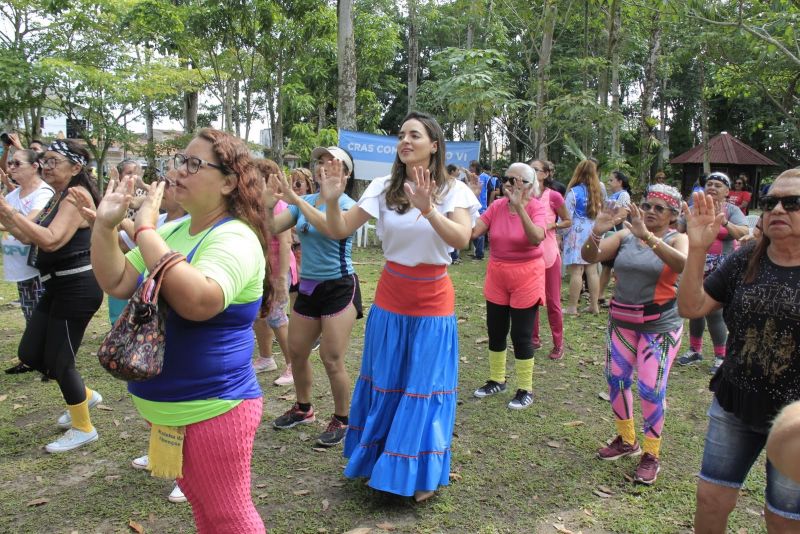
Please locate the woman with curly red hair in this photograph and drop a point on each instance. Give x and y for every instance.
(205, 405)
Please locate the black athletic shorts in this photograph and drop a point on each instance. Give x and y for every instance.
(328, 298)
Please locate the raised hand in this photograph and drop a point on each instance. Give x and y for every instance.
(420, 194)
(473, 183)
(273, 191)
(609, 216)
(636, 226)
(702, 221)
(332, 180)
(518, 194)
(283, 189)
(149, 210)
(81, 199)
(14, 138)
(114, 206)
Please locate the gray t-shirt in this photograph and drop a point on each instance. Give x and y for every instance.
(643, 278)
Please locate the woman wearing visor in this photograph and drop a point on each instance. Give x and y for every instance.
(644, 328)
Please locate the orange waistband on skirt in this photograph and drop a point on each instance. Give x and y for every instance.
(423, 290)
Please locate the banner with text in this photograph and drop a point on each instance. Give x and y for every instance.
(373, 155)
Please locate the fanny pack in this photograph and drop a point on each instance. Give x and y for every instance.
(639, 313)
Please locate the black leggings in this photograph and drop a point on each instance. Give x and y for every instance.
(55, 331)
(521, 323)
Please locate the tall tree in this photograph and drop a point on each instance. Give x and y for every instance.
(346, 110)
(413, 54)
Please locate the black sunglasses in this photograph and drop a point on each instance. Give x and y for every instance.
(658, 208)
(512, 179)
(789, 202)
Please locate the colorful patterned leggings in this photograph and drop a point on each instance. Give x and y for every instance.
(216, 471)
(652, 356)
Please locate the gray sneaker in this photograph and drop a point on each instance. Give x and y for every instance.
(65, 419)
(523, 399)
(716, 365)
(489, 388)
(72, 439)
(690, 357)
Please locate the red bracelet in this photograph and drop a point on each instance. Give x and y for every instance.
(140, 230)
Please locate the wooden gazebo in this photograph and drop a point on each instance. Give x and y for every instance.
(726, 154)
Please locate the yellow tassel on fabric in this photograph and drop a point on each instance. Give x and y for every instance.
(627, 430)
(497, 366)
(652, 445)
(524, 371)
(80, 416)
(166, 451)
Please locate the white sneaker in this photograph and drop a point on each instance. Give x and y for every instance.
(286, 378)
(72, 439)
(65, 419)
(176, 495)
(142, 462)
(263, 364)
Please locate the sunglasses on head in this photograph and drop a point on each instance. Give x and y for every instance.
(789, 202)
(658, 208)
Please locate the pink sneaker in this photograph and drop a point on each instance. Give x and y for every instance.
(286, 378)
(618, 449)
(557, 353)
(262, 364)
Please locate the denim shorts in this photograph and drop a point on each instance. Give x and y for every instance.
(731, 449)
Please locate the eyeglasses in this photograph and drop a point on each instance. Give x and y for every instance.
(513, 179)
(13, 163)
(538, 170)
(193, 164)
(298, 184)
(50, 163)
(658, 208)
(789, 202)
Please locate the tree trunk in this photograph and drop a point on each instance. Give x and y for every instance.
(663, 150)
(704, 117)
(542, 77)
(469, 134)
(321, 116)
(413, 55)
(235, 115)
(277, 130)
(602, 84)
(227, 105)
(191, 100)
(346, 112)
(150, 150)
(616, 145)
(647, 97)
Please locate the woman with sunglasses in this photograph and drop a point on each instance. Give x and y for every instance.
(404, 403)
(29, 198)
(740, 196)
(756, 289)
(734, 226)
(514, 285)
(206, 404)
(328, 304)
(644, 328)
(59, 239)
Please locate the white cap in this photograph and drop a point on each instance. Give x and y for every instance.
(334, 151)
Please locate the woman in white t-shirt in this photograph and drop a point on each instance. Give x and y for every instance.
(404, 404)
(29, 199)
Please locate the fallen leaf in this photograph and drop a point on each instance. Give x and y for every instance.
(302, 469)
(116, 423)
(38, 502)
(336, 484)
(628, 478)
(16, 406)
(742, 531)
(606, 489)
(106, 408)
(386, 526)
(603, 395)
(303, 436)
(574, 423)
(318, 449)
(136, 527)
(554, 444)
(601, 494)
(561, 528)
(461, 321)
(361, 530)
(298, 493)
(587, 512)
(560, 388)
(463, 359)
(455, 476)
(111, 478)
(514, 436)
(261, 486)
(124, 435)
(481, 340)
(325, 505)
(3, 397)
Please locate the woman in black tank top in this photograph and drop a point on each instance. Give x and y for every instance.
(59, 240)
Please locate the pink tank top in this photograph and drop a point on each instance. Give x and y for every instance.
(549, 246)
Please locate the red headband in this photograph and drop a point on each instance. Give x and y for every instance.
(671, 201)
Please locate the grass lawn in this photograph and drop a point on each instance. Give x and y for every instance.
(529, 471)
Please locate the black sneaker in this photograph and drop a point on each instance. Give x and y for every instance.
(295, 416)
(521, 400)
(690, 357)
(19, 368)
(489, 388)
(334, 434)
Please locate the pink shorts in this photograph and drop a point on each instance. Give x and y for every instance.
(519, 285)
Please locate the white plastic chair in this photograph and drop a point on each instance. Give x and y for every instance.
(362, 234)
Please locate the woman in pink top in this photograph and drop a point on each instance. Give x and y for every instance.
(514, 286)
(557, 217)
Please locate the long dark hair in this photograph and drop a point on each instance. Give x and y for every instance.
(760, 250)
(84, 178)
(626, 183)
(396, 198)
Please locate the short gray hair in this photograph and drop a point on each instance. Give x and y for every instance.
(527, 173)
(125, 162)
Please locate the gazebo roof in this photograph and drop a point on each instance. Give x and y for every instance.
(724, 149)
